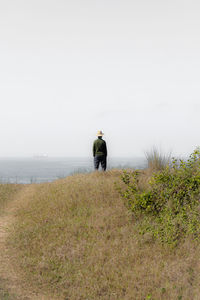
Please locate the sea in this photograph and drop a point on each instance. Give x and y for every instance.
(46, 169)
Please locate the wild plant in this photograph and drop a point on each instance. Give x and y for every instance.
(169, 207)
(156, 160)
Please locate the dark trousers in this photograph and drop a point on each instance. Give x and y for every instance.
(100, 159)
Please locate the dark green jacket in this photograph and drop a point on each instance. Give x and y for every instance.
(99, 147)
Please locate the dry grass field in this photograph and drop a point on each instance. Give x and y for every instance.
(74, 239)
(8, 192)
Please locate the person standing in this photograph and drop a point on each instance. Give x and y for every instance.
(100, 152)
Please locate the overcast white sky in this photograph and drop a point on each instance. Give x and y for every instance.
(69, 68)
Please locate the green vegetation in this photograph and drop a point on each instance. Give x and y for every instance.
(168, 207)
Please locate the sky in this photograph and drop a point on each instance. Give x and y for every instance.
(69, 68)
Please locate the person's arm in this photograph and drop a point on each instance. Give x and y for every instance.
(94, 149)
(105, 149)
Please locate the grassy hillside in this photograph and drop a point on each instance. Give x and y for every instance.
(75, 239)
(7, 193)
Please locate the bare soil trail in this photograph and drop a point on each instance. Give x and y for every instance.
(11, 285)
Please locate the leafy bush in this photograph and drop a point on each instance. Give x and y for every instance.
(169, 207)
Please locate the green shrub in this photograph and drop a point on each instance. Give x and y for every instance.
(169, 207)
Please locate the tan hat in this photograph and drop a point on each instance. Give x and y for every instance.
(100, 133)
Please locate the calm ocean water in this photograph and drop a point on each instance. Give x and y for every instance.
(35, 170)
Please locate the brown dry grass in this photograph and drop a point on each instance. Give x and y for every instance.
(74, 239)
(12, 286)
(157, 160)
(7, 193)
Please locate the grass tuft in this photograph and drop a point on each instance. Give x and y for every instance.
(157, 160)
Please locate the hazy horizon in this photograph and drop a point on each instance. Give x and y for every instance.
(30, 170)
(71, 68)
(69, 157)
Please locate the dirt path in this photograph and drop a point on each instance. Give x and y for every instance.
(11, 285)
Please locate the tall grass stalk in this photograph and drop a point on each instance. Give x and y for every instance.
(157, 160)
